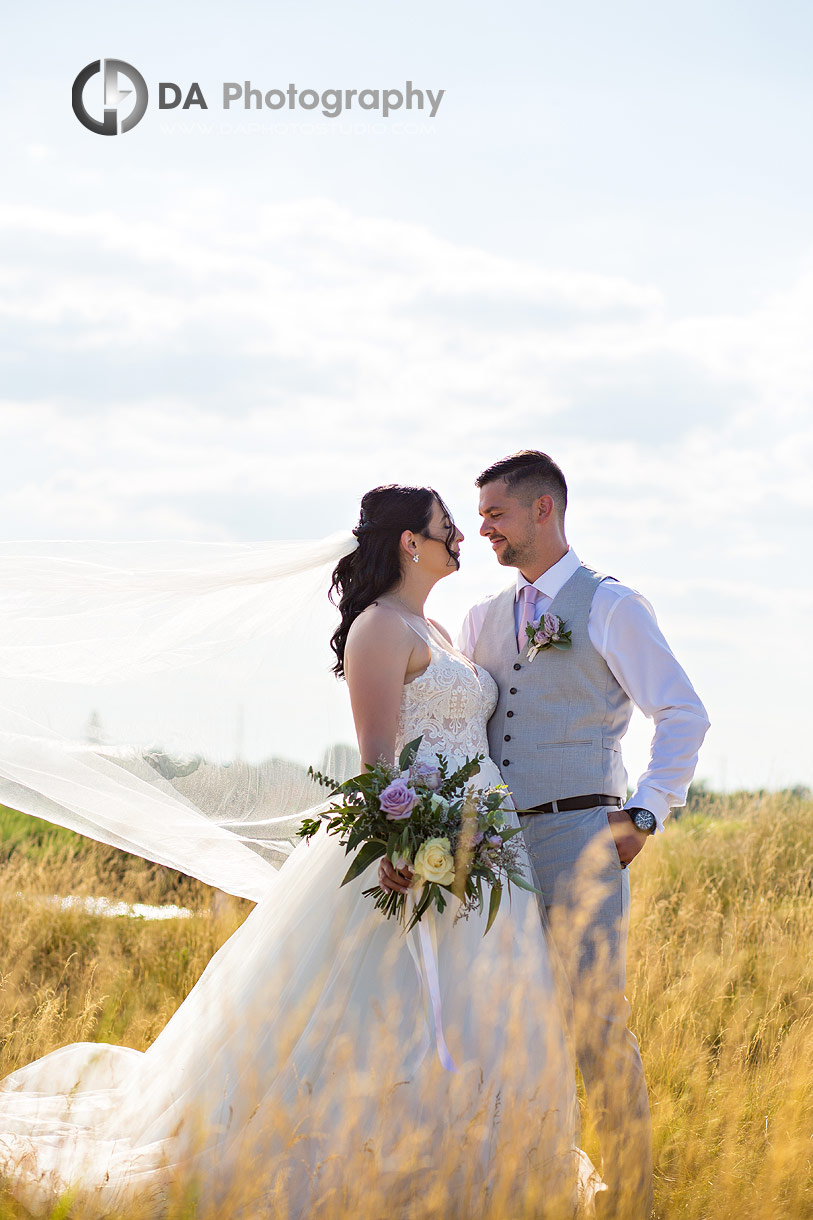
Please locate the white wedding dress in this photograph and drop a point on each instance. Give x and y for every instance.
(307, 1048)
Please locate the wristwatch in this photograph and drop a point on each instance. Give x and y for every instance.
(643, 819)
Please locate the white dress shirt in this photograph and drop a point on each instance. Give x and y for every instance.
(623, 629)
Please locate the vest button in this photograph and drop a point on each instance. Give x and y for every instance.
(507, 737)
(506, 762)
(513, 690)
(517, 665)
(509, 713)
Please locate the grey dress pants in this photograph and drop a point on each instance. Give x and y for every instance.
(586, 902)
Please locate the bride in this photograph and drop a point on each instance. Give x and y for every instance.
(306, 1074)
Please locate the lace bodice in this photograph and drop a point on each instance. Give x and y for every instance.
(448, 705)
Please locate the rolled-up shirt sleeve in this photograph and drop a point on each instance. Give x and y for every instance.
(642, 662)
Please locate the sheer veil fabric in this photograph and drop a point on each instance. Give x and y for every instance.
(310, 1027)
(174, 639)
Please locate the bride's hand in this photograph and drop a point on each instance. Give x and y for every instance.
(391, 878)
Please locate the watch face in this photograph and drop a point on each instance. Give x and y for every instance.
(644, 819)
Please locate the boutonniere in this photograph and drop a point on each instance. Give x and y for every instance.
(547, 632)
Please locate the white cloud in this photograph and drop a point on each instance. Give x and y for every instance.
(189, 375)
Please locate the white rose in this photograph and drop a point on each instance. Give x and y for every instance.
(434, 862)
(438, 803)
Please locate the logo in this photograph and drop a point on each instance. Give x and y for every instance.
(113, 96)
(332, 103)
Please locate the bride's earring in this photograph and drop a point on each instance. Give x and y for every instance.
(415, 557)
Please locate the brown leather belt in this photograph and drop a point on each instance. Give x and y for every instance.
(572, 803)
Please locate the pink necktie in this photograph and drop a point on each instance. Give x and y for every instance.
(528, 595)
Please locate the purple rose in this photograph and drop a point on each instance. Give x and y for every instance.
(397, 800)
(495, 840)
(541, 638)
(551, 625)
(426, 775)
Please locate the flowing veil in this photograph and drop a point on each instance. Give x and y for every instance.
(166, 698)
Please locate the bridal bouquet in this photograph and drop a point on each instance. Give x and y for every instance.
(454, 837)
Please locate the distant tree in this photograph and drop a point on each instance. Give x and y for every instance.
(698, 797)
(93, 729)
(340, 761)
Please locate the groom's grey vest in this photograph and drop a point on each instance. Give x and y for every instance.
(557, 727)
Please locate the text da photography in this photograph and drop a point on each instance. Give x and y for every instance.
(329, 102)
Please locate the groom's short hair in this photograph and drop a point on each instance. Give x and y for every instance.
(528, 475)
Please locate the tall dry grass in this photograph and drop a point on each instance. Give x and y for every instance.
(67, 976)
(720, 980)
(722, 996)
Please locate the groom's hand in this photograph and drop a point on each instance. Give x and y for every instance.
(628, 838)
(391, 878)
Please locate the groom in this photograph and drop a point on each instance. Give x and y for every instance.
(556, 734)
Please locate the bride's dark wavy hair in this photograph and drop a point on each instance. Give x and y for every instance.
(374, 568)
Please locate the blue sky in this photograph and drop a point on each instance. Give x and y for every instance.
(229, 325)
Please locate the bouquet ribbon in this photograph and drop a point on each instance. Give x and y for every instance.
(426, 965)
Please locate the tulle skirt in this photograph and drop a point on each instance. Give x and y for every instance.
(301, 1073)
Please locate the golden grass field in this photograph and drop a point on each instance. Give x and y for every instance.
(720, 981)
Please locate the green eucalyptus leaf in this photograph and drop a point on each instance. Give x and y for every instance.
(408, 753)
(493, 906)
(428, 896)
(518, 880)
(356, 837)
(372, 850)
